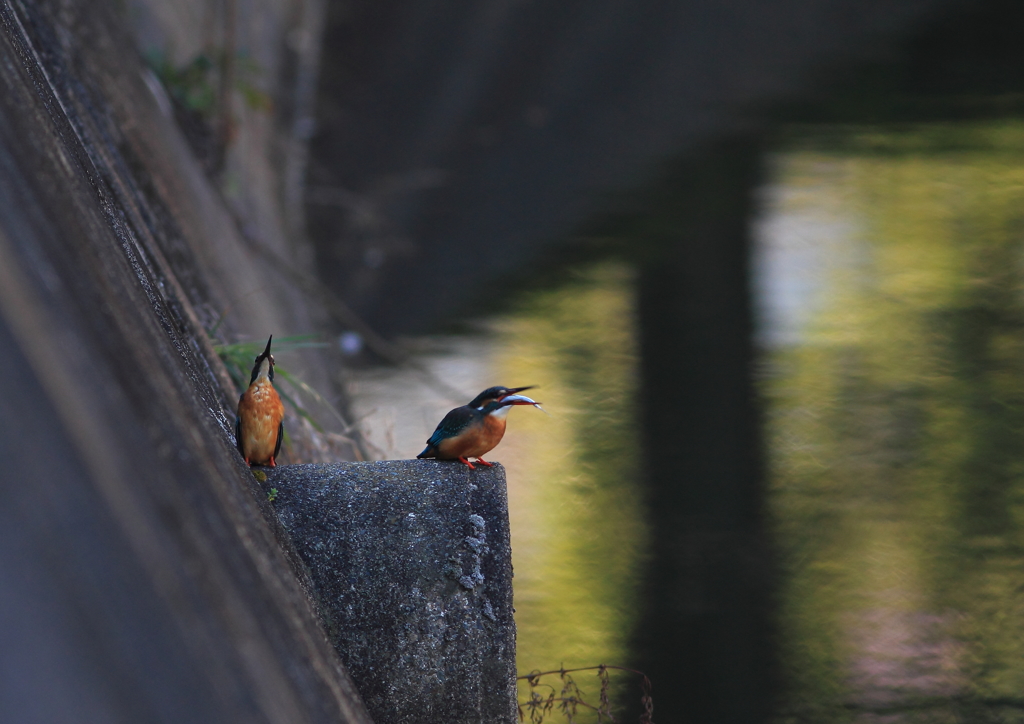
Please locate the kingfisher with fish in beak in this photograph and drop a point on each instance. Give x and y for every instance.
(259, 427)
(473, 430)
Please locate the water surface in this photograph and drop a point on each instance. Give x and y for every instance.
(893, 307)
(889, 285)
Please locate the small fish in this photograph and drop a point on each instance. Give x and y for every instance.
(523, 400)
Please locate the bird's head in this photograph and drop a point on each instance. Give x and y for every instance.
(496, 394)
(264, 366)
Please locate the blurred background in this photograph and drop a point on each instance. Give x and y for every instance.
(764, 263)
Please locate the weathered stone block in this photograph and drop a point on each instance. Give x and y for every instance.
(412, 565)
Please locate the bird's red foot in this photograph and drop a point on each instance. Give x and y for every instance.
(484, 462)
(272, 463)
(247, 462)
(466, 462)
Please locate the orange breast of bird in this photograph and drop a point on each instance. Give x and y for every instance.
(474, 442)
(260, 413)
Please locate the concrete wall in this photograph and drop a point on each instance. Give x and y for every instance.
(412, 563)
(146, 578)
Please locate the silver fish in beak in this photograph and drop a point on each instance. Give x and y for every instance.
(521, 400)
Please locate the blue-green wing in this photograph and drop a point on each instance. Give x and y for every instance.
(453, 423)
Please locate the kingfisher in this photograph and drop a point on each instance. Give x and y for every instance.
(473, 430)
(259, 427)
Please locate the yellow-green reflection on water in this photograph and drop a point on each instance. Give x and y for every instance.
(576, 513)
(895, 429)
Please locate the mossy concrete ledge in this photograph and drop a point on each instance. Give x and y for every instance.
(413, 567)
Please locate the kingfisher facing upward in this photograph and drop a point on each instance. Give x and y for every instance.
(473, 430)
(259, 427)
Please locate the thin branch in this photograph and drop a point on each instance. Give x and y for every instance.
(322, 294)
(534, 674)
(570, 696)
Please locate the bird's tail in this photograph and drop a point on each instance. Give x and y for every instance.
(428, 452)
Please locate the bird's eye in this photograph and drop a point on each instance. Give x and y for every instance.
(271, 359)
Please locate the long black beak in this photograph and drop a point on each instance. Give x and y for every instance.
(259, 360)
(514, 390)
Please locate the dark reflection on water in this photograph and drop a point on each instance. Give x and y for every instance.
(895, 398)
